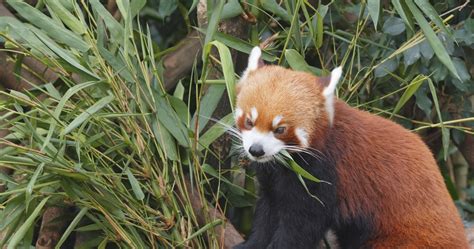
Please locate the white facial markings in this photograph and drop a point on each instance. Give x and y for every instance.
(328, 92)
(253, 114)
(238, 113)
(302, 136)
(276, 120)
(270, 144)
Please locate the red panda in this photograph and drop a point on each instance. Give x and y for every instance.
(386, 190)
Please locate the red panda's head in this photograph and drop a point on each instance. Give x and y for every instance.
(278, 108)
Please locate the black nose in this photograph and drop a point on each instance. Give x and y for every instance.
(256, 150)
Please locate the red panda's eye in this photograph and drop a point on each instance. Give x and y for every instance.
(248, 124)
(280, 130)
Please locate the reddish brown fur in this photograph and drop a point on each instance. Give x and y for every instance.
(388, 173)
(384, 171)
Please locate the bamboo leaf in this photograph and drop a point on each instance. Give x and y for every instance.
(71, 227)
(434, 41)
(302, 172)
(409, 91)
(29, 187)
(136, 6)
(88, 113)
(63, 54)
(273, 7)
(213, 22)
(228, 70)
(170, 120)
(240, 45)
(374, 11)
(321, 13)
(216, 131)
(66, 17)
(46, 24)
(164, 139)
(404, 14)
(297, 62)
(116, 30)
(444, 131)
(28, 224)
(137, 190)
(231, 9)
(430, 11)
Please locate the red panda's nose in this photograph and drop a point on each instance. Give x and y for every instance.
(256, 150)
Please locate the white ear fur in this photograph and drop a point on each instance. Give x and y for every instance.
(328, 92)
(254, 61)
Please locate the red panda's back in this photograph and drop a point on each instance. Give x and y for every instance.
(388, 174)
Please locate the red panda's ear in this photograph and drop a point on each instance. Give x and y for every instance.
(255, 62)
(329, 90)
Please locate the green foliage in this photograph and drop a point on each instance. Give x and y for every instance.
(108, 139)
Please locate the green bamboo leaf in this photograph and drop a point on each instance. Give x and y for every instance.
(66, 17)
(406, 16)
(239, 45)
(297, 62)
(180, 108)
(170, 120)
(69, 93)
(393, 26)
(204, 228)
(207, 106)
(216, 131)
(88, 228)
(12, 212)
(116, 62)
(273, 7)
(409, 91)
(46, 24)
(21, 32)
(321, 13)
(231, 9)
(193, 6)
(444, 131)
(115, 28)
(298, 169)
(88, 113)
(124, 7)
(136, 6)
(430, 11)
(302, 172)
(52, 91)
(31, 184)
(435, 43)
(228, 70)
(28, 224)
(374, 11)
(71, 227)
(213, 22)
(179, 91)
(63, 53)
(137, 190)
(236, 188)
(164, 139)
